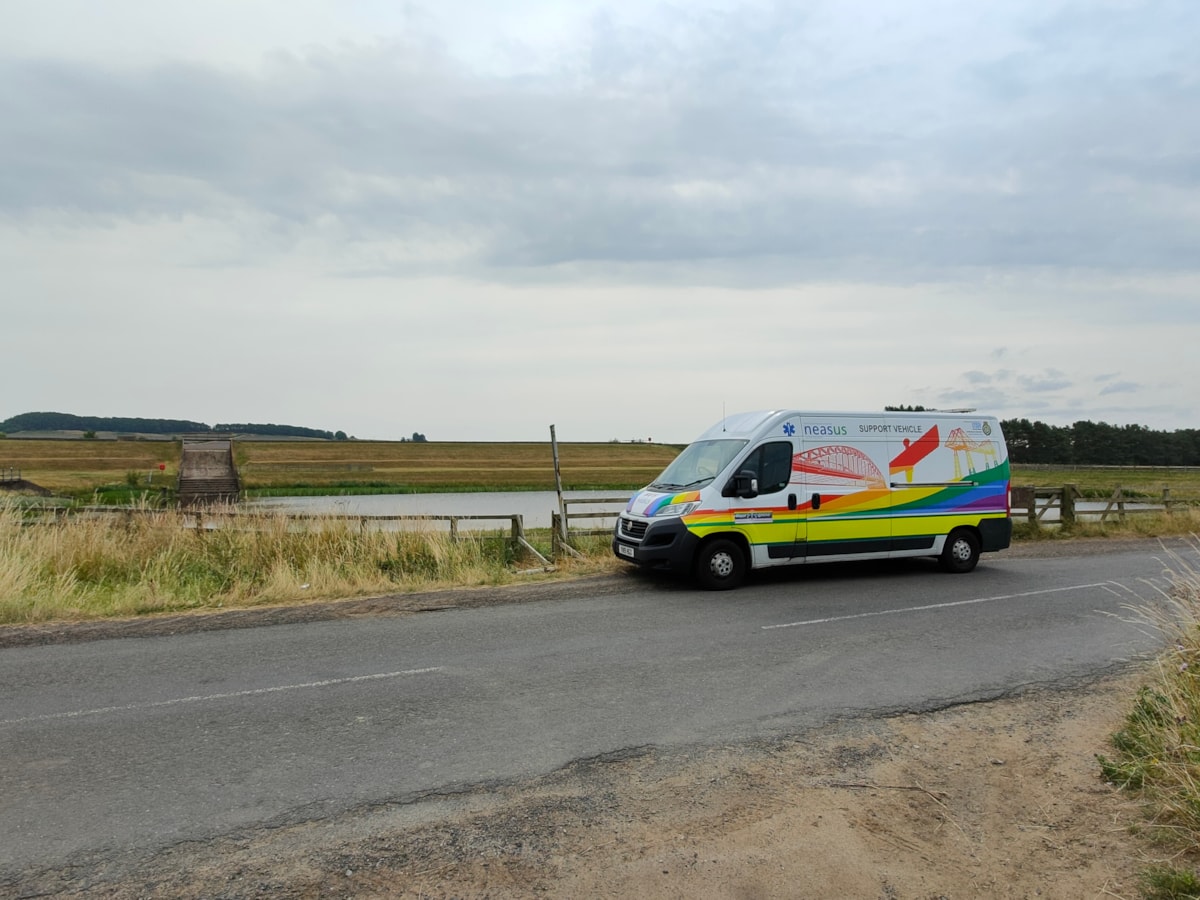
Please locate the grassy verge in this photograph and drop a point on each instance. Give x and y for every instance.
(157, 561)
(1156, 754)
(1181, 522)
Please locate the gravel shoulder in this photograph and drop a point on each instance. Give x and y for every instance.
(1000, 799)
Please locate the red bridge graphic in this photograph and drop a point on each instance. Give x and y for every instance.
(838, 464)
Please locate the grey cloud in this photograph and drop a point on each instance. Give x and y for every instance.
(1120, 387)
(724, 139)
(1046, 382)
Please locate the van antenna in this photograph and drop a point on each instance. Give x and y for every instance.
(722, 415)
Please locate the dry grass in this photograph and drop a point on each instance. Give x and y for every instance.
(1146, 524)
(157, 561)
(1157, 752)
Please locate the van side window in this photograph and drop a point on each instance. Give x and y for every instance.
(773, 465)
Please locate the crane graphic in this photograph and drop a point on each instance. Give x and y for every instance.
(962, 445)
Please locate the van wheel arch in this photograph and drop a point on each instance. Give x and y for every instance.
(960, 554)
(721, 562)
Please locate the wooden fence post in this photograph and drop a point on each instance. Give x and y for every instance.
(1167, 499)
(1066, 510)
(1025, 497)
(559, 540)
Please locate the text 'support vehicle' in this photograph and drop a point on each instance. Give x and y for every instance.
(788, 487)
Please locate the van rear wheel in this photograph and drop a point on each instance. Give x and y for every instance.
(961, 553)
(720, 565)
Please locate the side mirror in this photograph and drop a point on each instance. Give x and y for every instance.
(745, 484)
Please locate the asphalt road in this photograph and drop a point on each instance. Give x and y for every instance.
(117, 747)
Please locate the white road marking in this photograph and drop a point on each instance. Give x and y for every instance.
(208, 697)
(1107, 585)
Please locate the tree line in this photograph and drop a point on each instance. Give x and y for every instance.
(1100, 444)
(53, 421)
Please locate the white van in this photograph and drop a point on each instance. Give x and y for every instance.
(787, 487)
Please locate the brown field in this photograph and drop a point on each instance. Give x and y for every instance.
(74, 466)
(79, 466)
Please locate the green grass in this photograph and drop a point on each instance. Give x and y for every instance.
(1097, 482)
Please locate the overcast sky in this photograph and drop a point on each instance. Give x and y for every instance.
(475, 218)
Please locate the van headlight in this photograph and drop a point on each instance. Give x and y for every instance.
(677, 509)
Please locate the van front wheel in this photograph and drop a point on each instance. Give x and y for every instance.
(720, 565)
(961, 552)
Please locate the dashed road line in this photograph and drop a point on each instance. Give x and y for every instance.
(205, 698)
(1111, 586)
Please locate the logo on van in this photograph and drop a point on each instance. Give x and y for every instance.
(825, 430)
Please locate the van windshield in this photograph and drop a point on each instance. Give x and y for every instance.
(697, 465)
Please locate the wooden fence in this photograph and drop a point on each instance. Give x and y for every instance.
(1035, 504)
(10, 475)
(560, 525)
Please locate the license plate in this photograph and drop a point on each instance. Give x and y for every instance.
(625, 551)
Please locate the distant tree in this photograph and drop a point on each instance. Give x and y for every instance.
(89, 435)
(903, 408)
(418, 438)
(339, 435)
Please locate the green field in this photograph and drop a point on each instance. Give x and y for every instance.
(1100, 481)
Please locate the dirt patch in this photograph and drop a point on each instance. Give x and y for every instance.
(999, 799)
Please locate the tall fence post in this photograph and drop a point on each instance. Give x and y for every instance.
(562, 506)
(1167, 499)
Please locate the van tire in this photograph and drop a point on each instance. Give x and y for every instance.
(720, 565)
(961, 553)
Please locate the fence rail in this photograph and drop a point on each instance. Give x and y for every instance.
(1036, 504)
(10, 475)
(560, 529)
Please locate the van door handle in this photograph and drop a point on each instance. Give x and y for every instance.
(816, 501)
(791, 501)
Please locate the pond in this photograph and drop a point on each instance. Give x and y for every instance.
(536, 507)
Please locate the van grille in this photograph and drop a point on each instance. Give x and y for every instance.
(632, 529)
